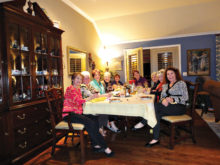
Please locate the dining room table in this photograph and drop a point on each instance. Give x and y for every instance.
(138, 105)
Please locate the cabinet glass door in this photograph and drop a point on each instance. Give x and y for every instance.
(41, 60)
(55, 59)
(20, 63)
(1, 92)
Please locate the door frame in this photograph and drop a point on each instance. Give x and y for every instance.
(167, 46)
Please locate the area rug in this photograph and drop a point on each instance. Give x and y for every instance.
(209, 118)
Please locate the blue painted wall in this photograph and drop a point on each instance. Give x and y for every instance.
(193, 42)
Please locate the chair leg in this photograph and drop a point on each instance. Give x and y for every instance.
(203, 109)
(82, 147)
(66, 138)
(172, 135)
(53, 146)
(193, 132)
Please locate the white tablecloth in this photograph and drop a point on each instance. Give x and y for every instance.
(128, 106)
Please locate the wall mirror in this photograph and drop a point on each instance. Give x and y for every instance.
(76, 60)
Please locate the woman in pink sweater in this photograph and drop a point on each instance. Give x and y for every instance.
(73, 103)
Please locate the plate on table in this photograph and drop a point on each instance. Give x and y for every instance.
(146, 97)
(116, 95)
(114, 100)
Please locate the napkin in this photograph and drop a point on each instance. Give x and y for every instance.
(98, 99)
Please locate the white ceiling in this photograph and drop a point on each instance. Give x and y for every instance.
(104, 9)
(119, 21)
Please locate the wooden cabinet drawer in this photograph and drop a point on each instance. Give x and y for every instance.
(22, 147)
(29, 115)
(36, 131)
(24, 116)
(30, 137)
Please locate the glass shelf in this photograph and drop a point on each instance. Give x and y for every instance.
(42, 85)
(21, 88)
(35, 62)
(56, 81)
(20, 63)
(0, 87)
(55, 47)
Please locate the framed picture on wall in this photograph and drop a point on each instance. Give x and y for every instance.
(115, 64)
(198, 62)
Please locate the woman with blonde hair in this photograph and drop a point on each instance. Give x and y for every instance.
(158, 90)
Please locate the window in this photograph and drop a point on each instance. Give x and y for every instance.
(132, 62)
(75, 65)
(76, 60)
(165, 60)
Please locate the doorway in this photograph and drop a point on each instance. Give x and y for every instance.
(151, 59)
(147, 65)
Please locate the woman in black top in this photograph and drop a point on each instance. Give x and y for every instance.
(155, 81)
(173, 100)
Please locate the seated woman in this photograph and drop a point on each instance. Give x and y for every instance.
(158, 90)
(173, 100)
(116, 81)
(139, 80)
(107, 82)
(86, 89)
(155, 81)
(108, 87)
(73, 103)
(96, 83)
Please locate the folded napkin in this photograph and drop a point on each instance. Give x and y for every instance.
(98, 99)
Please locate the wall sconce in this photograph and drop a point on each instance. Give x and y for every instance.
(107, 67)
(90, 60)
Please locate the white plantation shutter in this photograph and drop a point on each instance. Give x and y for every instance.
(76, 61)
(165, 60)
(134, 61)
(75, 65)
(163, 57)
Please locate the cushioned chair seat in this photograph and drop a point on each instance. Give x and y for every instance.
(173, 119)
(64, 125)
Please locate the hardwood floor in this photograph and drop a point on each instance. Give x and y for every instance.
(130, 150)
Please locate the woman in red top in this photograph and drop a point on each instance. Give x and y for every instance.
(73, 103)
(158, 90)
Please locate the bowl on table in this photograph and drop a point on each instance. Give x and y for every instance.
(113, 100)
(146, 97)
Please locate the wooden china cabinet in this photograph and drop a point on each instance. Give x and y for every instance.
(30, 63)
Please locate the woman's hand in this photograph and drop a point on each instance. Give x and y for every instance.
(165, 102)
(92, 97)
(169, 99)
(109, 95)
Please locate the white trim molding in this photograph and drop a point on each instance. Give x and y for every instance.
(82, 13)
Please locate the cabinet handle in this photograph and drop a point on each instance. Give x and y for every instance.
(22, 132)
(47, 109)
(35, 108)
(36, 121)
(21, 117)
(23, 146)
(6, 133)
(2, 62)
(49, 132)
(48, 121)
(37, 134)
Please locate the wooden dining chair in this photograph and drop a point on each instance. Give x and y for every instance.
(183, 122)
(62, 128)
